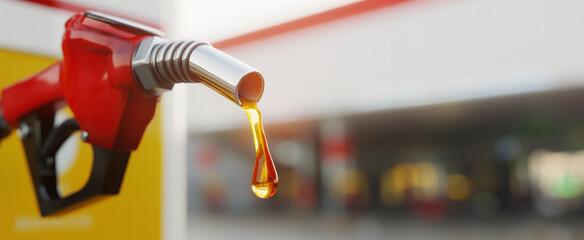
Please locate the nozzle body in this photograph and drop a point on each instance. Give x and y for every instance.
(158, 64)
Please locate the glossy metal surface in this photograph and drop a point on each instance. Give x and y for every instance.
(121, 23)
(159, 64)
(228, 76)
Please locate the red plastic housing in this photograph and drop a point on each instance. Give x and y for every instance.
(95, 79)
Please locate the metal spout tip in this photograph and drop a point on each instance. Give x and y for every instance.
(235, 80)
(250, 88)
(158, 64)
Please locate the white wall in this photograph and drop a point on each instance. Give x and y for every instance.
(417, 53)
(220, 19)
(34, 28)
(144, 10)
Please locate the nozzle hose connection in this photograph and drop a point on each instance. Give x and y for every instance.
(158, 64)
(4, 126)
(170, 61)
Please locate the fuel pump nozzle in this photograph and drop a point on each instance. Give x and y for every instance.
(158, 64)
(112, 73)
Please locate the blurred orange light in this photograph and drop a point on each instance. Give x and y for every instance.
(391, 191)
(401, 178)
(425, 180)
(349, 182)
(458, 187)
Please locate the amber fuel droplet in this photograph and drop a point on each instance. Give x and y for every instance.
(264, 182)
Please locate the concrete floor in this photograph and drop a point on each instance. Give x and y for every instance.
(209, 226)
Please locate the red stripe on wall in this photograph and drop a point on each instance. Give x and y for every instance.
(323, 17)
(319, 18)
(79, 8)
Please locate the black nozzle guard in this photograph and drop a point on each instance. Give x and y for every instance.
(5, 128)
(42, 141)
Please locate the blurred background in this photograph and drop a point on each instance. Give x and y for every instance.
(395, 119)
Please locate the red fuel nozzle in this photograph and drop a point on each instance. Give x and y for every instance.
(110, 77)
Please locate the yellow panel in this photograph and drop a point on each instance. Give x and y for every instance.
(133, 214)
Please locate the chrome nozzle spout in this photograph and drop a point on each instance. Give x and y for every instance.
(158, 64)
(226, 75)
